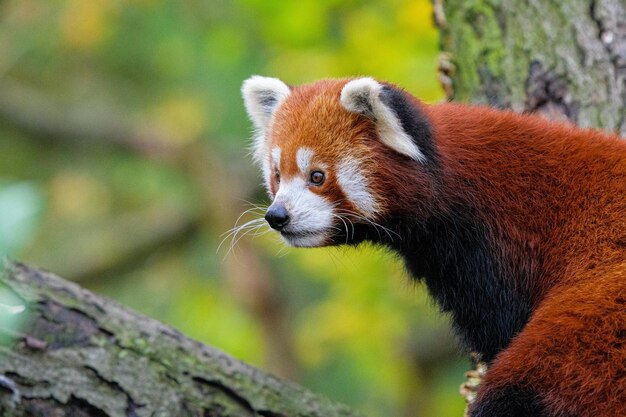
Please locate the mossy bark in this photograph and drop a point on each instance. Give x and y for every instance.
(77, 354)
(566, 59)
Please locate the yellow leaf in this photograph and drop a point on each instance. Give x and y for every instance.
(77, 195)
(84, 24)
(181, 119)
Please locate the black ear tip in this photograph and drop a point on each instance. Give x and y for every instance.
(411, 117)
(387, 91)
(390, 95)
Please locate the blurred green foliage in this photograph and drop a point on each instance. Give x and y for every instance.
(21, 205)
(123, 160)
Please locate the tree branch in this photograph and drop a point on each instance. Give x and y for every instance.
(80, 354)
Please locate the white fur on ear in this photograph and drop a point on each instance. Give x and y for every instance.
(261, 96)
(363, 96)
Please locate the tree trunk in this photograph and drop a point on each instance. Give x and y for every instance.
(565, 59)
(78, 354)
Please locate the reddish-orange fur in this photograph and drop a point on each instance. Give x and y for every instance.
(567, 199)
(552, 198)
(327, 133)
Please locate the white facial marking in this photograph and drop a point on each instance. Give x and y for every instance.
(268, 166)
(363, 96)
(355, 186)
(303, 159)
(267, 173)
(311, 216)
(276, 156)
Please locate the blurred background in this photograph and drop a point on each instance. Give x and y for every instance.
(124, 163)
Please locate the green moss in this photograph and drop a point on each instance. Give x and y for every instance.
(476, 41)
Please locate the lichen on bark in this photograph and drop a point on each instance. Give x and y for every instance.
(565, 59)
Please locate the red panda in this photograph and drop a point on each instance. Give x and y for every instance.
(517, 226)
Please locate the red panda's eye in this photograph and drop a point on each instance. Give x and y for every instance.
(317, 177)
(277, 175)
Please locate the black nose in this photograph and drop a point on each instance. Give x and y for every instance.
(277, 217)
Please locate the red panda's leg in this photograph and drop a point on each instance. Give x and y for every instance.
(570, 359)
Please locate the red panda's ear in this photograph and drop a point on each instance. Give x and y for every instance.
(366, 96)
(261, 96)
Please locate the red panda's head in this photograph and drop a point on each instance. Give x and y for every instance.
(337, 155)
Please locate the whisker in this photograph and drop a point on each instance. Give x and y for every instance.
(236, 239)
(233, 233)
(377, 226)
(353, 227)
(253, 204)
(258, 228)
(251, 210)
(237, 228)
(282, 251)
(344, 224)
